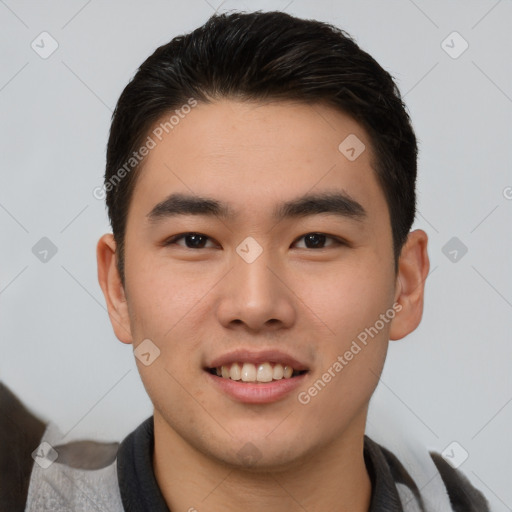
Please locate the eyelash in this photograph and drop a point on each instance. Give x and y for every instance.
(176, 238)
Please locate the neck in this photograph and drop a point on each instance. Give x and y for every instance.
(333, 478)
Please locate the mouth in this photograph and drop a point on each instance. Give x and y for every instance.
(245, 372)
(256, 377)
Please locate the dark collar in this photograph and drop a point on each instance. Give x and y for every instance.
(140, 491)
(137, 482)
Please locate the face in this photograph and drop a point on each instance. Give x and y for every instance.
(260, 279)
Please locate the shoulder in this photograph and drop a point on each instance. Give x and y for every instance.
(463, 496)
(21, 433)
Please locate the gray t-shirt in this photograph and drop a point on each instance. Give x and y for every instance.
(128, 482)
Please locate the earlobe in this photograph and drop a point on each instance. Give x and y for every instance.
(413, 270)
(113, 290)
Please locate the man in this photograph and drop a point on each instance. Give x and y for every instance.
(260, 182)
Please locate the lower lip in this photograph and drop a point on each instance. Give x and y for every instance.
(253, 393)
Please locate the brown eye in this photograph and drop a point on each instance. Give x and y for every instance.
(317, 240)
(192, 240)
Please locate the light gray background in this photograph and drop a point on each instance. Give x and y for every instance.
(448, 381)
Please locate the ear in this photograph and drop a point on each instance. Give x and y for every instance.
(113, 290)
(413, 269)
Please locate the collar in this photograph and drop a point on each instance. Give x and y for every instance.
(140, 492)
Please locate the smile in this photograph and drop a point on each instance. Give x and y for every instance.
(257, 377)
(259, 373)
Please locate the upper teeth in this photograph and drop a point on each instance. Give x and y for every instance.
(248, 372)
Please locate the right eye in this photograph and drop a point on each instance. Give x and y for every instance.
(192, 240)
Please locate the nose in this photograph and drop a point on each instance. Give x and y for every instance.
(255, 296)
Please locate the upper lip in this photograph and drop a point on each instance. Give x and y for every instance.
(257, 357)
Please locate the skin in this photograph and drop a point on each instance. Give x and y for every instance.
(196, 304)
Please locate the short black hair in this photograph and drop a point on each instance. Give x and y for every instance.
(265, 56)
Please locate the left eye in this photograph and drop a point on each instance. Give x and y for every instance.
(317, 240)
(198, 240)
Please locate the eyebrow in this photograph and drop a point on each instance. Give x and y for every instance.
(335, 203)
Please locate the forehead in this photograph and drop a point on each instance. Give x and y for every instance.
(252, 156)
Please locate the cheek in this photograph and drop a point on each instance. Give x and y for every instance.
(164, 307)
(350, 363)
(159, 299)
(346, 299)
(170, 307)
(352, 339)
(335, 399)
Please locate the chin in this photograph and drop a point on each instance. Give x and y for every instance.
(254, 459)
(258, 453)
